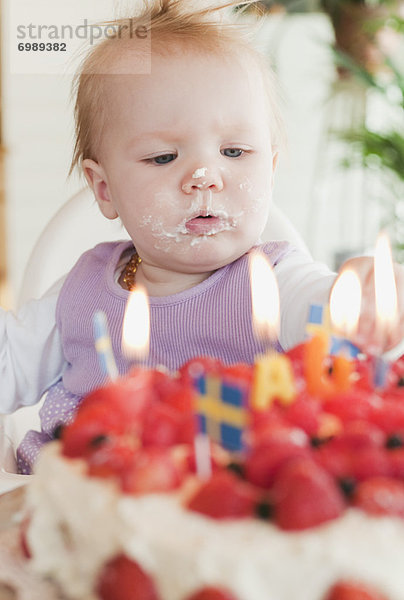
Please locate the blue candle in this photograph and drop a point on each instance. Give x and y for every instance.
(103, 345)
(381, 371)
(319, 321)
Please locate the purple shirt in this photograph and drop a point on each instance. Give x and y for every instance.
(213, 318)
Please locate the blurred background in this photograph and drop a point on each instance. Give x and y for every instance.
(340, 178)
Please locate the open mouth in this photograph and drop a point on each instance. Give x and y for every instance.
(204, 224)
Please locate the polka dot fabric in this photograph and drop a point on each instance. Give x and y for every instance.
(58, 409)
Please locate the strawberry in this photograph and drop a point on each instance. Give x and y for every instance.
(187, 429)
(153, 471)
(264, 461)
(128, 397)
(304, 495)
(124, 579)
(347, 590)
(224, 496)
(161, 426)
(359, 464)
(389, 415)
(304, 413)
(174, 391)
(138, 470)
(354, 405)
(359, 434)
(274, 432)
(181, 397)
(371, 462)
(380, 496)
(240, 372)
(115, 410)
(336, 460)
(89, 429)
(263, 423)
(113, 459)
(211, 593)
(396, 460)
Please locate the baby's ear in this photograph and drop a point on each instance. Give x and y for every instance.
(97, 180)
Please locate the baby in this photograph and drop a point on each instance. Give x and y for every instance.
(185, 156)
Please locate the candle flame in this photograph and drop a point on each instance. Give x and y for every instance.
(136, 325)
(385, 286)
(345, 303)
(265, 298)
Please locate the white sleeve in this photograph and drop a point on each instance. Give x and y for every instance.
(31, 357)
(302, 282)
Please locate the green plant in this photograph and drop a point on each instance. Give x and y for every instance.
(358, 54)
(381, 152)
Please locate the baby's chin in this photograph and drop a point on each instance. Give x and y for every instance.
(203, 255)
(188, 252)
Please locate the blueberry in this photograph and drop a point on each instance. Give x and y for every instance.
(264, 510)
(99, 440)
(317, 441)
(395, 440)
(236, 468)
(347, 486)
(57, 432)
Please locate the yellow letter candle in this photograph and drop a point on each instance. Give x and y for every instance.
(273, 380)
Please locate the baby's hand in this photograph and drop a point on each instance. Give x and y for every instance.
(367, 336)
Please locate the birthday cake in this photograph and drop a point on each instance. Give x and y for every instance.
(282, 481)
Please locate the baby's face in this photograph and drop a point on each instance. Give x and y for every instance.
(187, 161)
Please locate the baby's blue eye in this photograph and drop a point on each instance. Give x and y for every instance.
(164, 159)
(232, 152)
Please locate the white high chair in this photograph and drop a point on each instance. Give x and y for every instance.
(77, 227)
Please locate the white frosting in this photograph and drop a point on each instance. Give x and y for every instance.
(168, 235)
(246, 185)
(78, 523)
(172, 235)
(201, 172)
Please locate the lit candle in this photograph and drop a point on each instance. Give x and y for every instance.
(315, 353)
(345, 303)
(136, 326)
(324, 379)
(265, 298)
(273, 379)
(386, 304)
(103, 345)
(273, 375)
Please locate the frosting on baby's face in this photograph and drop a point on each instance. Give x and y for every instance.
(188, 160)
(206, 216)
(199, 173)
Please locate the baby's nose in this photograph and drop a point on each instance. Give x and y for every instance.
(202, 178)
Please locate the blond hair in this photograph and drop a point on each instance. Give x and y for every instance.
(168, 22)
